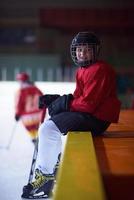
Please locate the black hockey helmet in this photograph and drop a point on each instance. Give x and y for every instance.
(88, 39)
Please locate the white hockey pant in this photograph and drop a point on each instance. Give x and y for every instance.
(49, 146)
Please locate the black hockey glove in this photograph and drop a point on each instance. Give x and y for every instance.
(46, 100)
(17, 117)
(61, 104)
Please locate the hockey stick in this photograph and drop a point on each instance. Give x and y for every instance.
(33, 162)
(7, 147)
(35, 153)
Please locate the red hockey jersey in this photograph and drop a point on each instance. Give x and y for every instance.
(95, 92)
(26, 106)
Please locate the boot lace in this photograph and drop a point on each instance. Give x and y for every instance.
(40, 179)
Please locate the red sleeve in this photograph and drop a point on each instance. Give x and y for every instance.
(93, 93)
(77, 91)
(19, 103)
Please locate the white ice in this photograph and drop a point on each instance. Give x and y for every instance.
(15, 162)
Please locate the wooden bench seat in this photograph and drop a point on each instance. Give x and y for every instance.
(115, 157)
(115, 154)
(126, 122)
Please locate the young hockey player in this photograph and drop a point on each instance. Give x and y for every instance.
(92, 107)
(26, 105)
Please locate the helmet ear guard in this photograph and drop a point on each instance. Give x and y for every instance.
(87, 39)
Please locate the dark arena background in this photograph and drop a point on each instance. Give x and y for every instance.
(35, 38)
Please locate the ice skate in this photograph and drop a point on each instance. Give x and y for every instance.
(40, 188)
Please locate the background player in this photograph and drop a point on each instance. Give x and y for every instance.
(26, 105)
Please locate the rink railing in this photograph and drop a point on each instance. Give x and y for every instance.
(40, 74)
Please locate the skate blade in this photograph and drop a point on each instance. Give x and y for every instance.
(36, 198)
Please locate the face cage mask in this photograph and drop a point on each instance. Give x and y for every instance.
(86, 62)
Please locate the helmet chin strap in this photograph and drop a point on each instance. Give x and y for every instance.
(85, 63)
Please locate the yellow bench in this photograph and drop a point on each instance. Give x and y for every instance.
(79, 177)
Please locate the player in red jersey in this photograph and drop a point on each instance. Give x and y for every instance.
(92, 107)
(26, 105)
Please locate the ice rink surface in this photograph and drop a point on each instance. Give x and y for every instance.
(15, 162)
